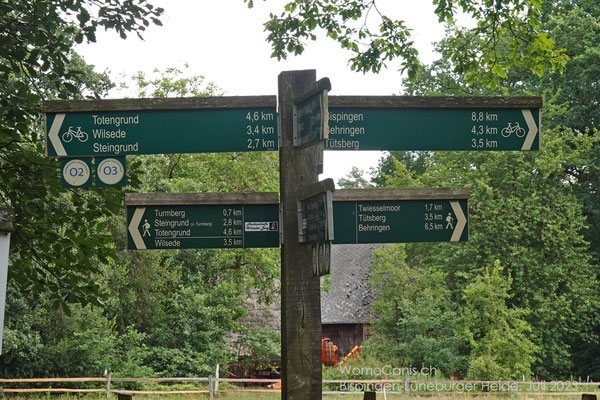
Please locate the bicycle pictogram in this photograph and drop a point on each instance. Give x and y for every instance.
(79, 134)
(516, 129)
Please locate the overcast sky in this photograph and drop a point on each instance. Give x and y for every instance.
(225, 42)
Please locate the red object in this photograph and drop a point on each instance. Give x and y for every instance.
(329, 354)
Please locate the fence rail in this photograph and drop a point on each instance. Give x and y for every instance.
(538, 388)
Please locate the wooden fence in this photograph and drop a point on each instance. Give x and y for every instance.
(386, 386)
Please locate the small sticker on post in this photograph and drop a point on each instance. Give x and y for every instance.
(261, 226)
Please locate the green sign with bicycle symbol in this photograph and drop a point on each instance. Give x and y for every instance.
(204, 125)
(91, 133)
(492, 129)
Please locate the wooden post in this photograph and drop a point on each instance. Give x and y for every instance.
(108, 386)
(370, 396)
(300, 290)
(6, 226)
(217, 379)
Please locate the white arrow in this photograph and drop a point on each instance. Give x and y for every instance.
(533, 130)
(460, 223)
(134, 230)
(53, 135)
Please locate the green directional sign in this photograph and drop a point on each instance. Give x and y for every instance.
(160, 126)
(417, 215)
(167, 221)
(224, 124)
(434, 123)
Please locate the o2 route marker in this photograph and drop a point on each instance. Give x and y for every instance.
(400, 215)
(160, 126)
(434, 123)
(202, 220)
(77, 172)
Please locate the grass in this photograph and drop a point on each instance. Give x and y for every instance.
(277, 396)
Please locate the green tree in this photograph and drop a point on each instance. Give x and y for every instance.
(375, 39)
(498, 335)
(414, 161)
(523, 212)
(354, 180)
(570, 109)
(416, 321)
(59, 233)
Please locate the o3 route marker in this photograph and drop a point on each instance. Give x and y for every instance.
(160, 126)
(110, 171)
(202, 220)
(400, 215)
(434, 123)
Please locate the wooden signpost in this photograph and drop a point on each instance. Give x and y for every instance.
(309, 215)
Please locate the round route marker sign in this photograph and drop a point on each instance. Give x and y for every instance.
(110, 171)
(76, 173)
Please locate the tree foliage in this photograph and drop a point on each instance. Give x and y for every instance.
(534, 213)
(375, 38)
(417, 324)
(165, 312)
(524, 213)
(354, 180)
(59, 235)
(497, 333)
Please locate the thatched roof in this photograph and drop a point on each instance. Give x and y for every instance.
(350, 297)
(348, 301)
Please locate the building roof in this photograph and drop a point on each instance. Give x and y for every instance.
(350, 297)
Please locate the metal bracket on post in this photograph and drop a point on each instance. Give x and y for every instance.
(315, 212)
(315, 223)
(278, 129)
(281, 236)
(301, 223)
(311, 115)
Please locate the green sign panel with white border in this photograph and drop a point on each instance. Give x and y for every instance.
(161, 126)
(430, 124)
(400, 216)
(173, 223)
